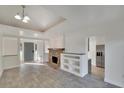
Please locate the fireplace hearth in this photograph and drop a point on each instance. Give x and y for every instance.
(54, 56)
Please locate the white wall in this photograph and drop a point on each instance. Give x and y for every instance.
(40, 51)
(74, 41)
(55, 37)
(10, 54)
(10, 62)
(1, 65)
(38, 55)
(92, 48)
(10, 46)
(8, 31)
(46, 46)
(63, 35)
(114, 72)
(93, 41)
(114, 48)
(100, 41)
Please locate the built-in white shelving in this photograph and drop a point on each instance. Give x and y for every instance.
(74, 63)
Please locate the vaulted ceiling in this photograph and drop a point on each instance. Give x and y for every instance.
(41, 19)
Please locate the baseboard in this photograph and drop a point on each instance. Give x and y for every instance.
(1, 71)
(5, 68)
(119, 84)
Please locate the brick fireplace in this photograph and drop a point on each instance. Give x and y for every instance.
(54, 57)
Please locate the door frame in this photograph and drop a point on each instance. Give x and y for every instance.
(22, 41)
(32, 40)
(90, 61)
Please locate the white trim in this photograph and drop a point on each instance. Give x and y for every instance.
(1, 72)
(114, 82)
(11, 67)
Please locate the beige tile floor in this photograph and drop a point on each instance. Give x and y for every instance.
(43, 76)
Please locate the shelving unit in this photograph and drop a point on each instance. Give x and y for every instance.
(74, 63)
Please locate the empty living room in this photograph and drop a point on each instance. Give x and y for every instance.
(61, 46)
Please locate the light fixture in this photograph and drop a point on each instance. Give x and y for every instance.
(26, 18)
(22, 16)
(17, 16)
(25, 21)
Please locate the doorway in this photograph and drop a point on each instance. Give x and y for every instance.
(96, 56)
(100, 56)
(28, 51)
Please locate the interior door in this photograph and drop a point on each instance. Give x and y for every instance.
(28, 51)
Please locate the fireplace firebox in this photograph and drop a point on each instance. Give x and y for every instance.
(54, 59)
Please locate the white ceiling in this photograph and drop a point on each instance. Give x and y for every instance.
(87, 20)
(48, 16)
(88, 14)
(41, 19)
